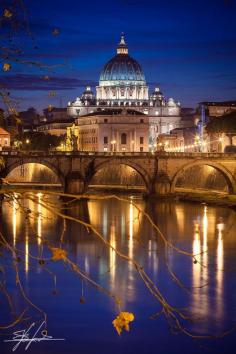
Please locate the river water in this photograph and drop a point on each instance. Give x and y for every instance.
(83, 315)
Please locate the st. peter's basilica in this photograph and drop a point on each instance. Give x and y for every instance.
(122, 116)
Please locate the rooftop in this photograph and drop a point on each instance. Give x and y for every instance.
(223, 103)
(3, 131)
(54, 121)
(110, 112)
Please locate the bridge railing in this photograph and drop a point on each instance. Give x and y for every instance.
(161, 154)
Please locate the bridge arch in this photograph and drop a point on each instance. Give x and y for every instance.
(228, 177)
(119, 162)
(23, 162)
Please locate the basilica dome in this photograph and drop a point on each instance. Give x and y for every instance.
(122, 69)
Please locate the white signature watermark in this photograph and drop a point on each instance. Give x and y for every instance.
(24, 336)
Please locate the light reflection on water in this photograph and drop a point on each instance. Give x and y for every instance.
(208, 232)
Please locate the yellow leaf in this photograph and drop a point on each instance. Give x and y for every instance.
(58, 254)
(7, 13)
(6, 67)
(13, 111)
(55, 32)
(122, 321)
(18, 121)
(52, 93)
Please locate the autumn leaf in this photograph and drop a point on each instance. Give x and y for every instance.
(58, 254)
(56, 31)
(6, 67)
(52, 93)
(122, 321)
(82, 300)
(18, 121)
(7, 13)
(12, 110)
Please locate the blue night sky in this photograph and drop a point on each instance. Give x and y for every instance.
(188, 48)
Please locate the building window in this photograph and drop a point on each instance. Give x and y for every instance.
(105, 120)
(123, 138)
(141, 120)
(141, 140)
(105, 149)
(105, 140)
(141, 149)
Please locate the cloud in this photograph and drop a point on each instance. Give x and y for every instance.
(37, 82)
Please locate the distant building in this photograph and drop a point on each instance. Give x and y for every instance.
(123, 130)
(122, 84)
(5, 140)
(55, 114)
(173, 142)
(187, 117)
(217, 109)
(214, 110)
(207, 110)
(184, 139)
(55, 127)
(54, 121)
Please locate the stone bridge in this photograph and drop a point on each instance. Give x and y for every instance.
(159, 171)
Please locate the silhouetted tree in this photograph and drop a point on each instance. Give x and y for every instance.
(225, 124)
(39, 141)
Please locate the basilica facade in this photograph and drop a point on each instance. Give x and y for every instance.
(123, 90)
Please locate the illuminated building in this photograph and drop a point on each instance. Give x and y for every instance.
(122, 85)
(113, 130)
(4, 138)
(218, 109)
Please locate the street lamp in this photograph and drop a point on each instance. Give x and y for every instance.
(27, 141)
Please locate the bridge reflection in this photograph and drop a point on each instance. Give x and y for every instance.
(201, 228)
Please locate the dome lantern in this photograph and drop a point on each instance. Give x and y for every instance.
(122, 46)
(122, 69)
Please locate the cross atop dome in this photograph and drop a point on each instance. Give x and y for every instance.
(122, 46)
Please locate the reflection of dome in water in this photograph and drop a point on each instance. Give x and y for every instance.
(122, 68)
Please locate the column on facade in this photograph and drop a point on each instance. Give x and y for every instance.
(114, 140)
(130, 140)
(117, 141)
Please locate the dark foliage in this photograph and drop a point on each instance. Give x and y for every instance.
(225, 124)
(39, 141)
